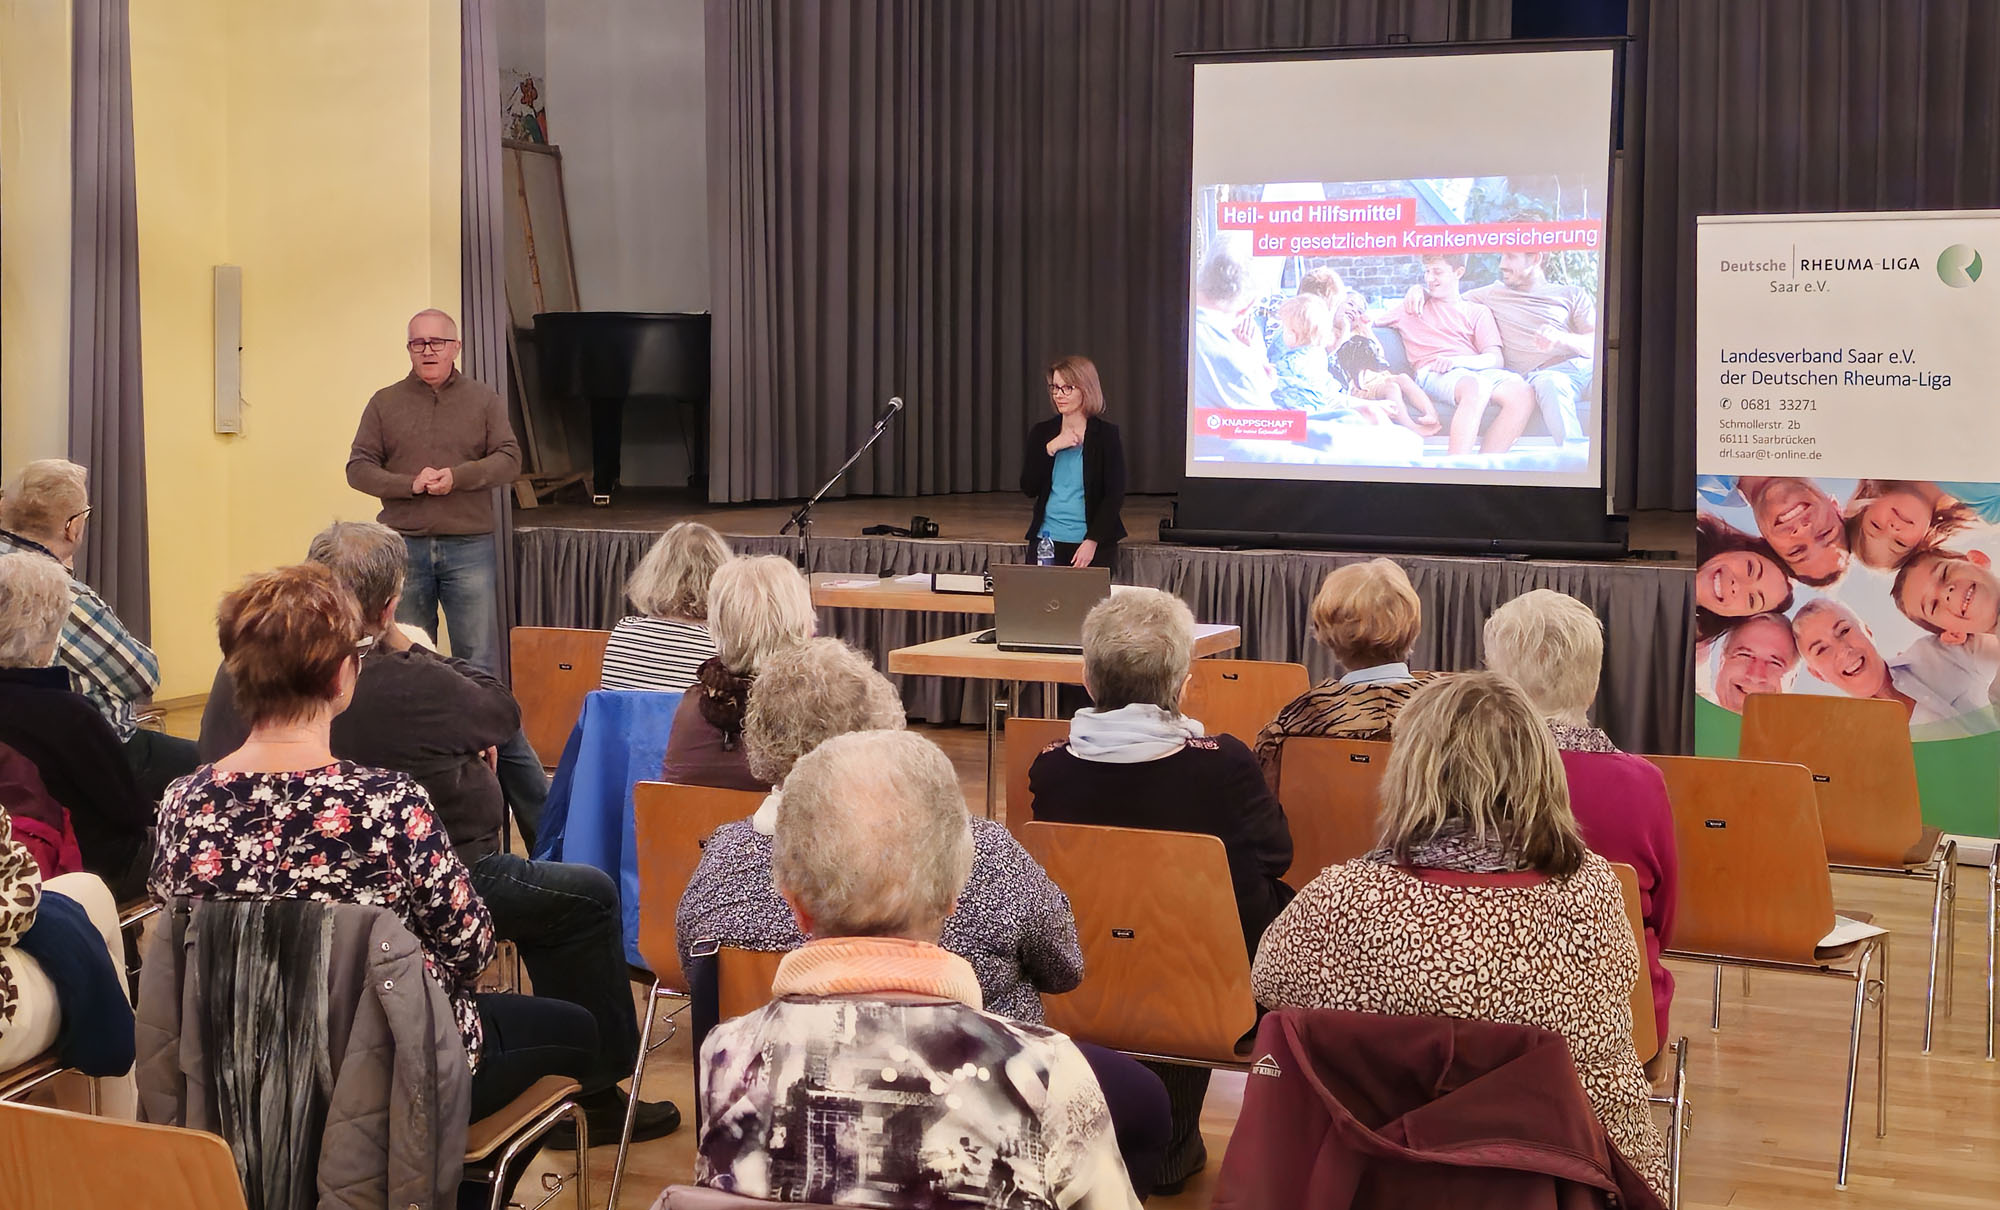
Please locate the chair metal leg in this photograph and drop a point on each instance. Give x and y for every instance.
(1677, 1123)
(1992, 928)
(1853, 1061)
(653, 999)
(1950, 924)
(1715, 1007)
(1882, 1042)
(536, 1129)
(1937, 927)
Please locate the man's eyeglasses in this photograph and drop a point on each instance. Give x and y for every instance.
(74, 516)
(1062, 388)
(430, 344)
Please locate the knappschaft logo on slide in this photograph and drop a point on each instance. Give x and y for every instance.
(1959, 266)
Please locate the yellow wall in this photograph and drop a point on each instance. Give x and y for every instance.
(34, 236)
(305, 142)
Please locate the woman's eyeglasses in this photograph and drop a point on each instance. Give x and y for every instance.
(1062, 388)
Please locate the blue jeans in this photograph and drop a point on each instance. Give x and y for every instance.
(457, 572)
(564, 920)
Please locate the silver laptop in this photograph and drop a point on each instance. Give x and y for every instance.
(1041, 608)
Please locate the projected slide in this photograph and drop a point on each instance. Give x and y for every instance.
(1355, 324)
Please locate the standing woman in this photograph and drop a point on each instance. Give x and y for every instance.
(1074, 467)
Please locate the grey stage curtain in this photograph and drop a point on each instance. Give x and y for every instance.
(482, 263)
(1778, 106)
(573, 577)
(107, 420)
(934, 199)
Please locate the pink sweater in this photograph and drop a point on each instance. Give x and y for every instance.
(1621, 804)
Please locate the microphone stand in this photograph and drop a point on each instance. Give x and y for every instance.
(802, 519)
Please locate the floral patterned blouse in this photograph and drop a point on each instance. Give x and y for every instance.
(341, 834)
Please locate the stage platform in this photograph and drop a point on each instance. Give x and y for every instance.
(571, 561)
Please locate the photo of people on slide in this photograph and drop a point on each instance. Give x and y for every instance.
(1869, 588)
(1446, 322)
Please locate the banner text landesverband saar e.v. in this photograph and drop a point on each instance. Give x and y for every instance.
(1848, 494)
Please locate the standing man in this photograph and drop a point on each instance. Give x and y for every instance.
(429, 447)
(43, 511)
(1548, 335)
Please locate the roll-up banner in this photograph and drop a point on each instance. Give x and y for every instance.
(1847, 444)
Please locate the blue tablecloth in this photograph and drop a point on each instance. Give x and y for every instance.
(620, 740)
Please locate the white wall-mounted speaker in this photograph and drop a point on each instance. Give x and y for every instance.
(228, 348)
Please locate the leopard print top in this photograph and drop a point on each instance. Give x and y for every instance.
(20, 895)
(1370, 937)
(1337, 711)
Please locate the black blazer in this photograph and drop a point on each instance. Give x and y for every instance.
(1103, 477)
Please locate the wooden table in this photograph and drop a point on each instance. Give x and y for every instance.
(851, 590)
(960, 656)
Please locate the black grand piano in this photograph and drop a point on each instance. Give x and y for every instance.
(603, 359)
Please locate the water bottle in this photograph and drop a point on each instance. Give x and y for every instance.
(1045, 550)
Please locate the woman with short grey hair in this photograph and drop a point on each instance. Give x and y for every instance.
(662, 646)
(1552, 645)
(873, 1019)
(79, 756)
(758, 607)
(1134, 761)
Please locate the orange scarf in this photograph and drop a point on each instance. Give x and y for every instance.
(855, 966)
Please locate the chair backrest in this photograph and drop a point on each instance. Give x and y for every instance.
(670, 823)
(1329, 788)
(1863, 768)
(1239, 697)
(1753, 876)
(51, 1160)
(1163, 961)
(1026, 737)
(554, 670)
(743, 980)
(1645, 1025)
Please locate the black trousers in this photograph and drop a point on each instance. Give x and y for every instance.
(1106, 555)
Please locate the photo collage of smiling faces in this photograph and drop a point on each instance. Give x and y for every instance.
(1862, 587)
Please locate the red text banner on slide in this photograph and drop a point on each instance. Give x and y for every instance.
(1251, 425)
(1388, 226)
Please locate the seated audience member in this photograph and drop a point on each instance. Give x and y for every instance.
(350, 834)
(438, 720)
(1368, 616)
(662, 646)
(43, 511)
(74, 750)
(1553, 646)
(1011, 923)
(1136, 762)
(41, 825)
(1481, 872)
(875, 1026)
(1757, 655)
(757, 607)
(62, 991)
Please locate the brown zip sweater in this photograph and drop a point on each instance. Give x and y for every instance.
(409, 426)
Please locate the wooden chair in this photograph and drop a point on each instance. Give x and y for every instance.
(1755, 892)
(1026, 737)
(554, 670)
(670, 823)
(510, 1130)
(743, 980)
(1240, 697)
(1165, 975)
(17, 1082)
(1329, 789)
(52, 1160)
(1646, 1040)
(1865, 774)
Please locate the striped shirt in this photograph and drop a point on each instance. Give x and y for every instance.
(655, 654)
(109, 664)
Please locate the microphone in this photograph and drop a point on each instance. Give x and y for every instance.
(889, 410)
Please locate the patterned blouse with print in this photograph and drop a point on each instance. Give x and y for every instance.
(20, 895)
(342, 834)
